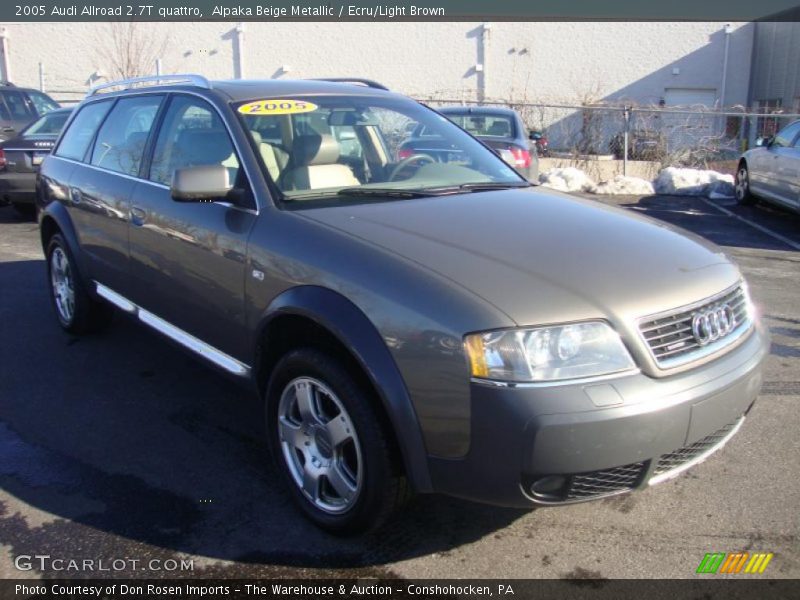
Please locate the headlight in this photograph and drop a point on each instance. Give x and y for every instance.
(547, 353)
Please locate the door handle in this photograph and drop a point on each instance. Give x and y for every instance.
(138, 215)
(8, 130)
(75, 195)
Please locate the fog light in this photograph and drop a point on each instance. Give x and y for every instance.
(548, 486)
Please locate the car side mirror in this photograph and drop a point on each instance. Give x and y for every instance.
(764, 141)
(535, 136)
(196, 184)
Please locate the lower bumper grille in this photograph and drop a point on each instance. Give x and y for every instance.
(606, 482)
(682, 458)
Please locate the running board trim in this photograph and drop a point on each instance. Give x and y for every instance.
(115, 299)
(187, 340)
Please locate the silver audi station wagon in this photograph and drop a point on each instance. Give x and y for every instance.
(412, 324)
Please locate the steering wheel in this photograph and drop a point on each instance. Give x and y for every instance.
(424, 158)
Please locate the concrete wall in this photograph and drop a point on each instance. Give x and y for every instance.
(534, 62)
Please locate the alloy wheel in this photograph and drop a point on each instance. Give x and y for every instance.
(62, 283)
(320, 445)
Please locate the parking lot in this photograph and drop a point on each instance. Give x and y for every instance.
(121, 446)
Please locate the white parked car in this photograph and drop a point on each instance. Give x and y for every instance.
(771, 171)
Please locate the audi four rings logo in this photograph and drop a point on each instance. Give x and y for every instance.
(712, 324)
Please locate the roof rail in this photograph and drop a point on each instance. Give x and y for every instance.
(366, 82)
(126, 84)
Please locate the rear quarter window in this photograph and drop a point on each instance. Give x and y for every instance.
(80, 132)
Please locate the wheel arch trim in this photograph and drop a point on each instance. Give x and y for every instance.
(56, 213)
(354, 330)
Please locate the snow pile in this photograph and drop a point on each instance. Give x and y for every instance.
(693, 182)
(622, 185)
(568, 179)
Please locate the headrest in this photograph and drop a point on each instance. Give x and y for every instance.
(256, 136)
(136, 138)
(204, 146)
(314, 149)
(500, 128)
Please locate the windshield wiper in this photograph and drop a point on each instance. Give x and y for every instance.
(385, 192)
(493, 185)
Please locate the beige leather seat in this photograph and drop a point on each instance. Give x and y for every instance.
(314, 165)
(275, 158)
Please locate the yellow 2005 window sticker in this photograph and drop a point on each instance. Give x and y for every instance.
(277, 107)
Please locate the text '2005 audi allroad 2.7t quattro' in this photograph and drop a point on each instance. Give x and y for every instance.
(415, 324)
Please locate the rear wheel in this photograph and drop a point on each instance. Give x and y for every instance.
(330, 445)
(77, 312)
(742, 187)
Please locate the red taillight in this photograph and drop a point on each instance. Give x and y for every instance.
(522, 157)
(404, 153)
(2, 159)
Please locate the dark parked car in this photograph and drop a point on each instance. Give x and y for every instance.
(21, 156)
(434, 325)
(501, 129)
(20, 106)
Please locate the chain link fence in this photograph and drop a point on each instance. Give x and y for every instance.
(690, 136)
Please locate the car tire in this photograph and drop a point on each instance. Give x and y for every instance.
(742, 186)
(77, 312)
(330, 444)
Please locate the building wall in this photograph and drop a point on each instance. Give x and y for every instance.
(776, 65)
(534, 62)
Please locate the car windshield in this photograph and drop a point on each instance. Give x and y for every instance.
(50, 124)
(317, 147)
(485, 124)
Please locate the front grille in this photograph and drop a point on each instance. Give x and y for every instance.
(669, 336)
(678, 458)
(603, 483)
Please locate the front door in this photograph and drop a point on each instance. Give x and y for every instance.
(188, 258)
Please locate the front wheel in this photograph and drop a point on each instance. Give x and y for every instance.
(328, 440)
(742, 187)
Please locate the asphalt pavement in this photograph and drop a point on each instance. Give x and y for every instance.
(121, 446)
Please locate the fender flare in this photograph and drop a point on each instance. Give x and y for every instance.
(56, 212)
(353, 329)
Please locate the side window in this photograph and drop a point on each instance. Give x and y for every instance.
(77, 138)
(17, 106)
(122, 138)
(42, 103)
(3, 109)
(786, 135)
(191, 135)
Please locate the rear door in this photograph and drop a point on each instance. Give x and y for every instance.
(782, 165)
(188, 258)
(786, 175)
(101, 186)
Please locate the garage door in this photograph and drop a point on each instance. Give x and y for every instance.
(690, 131)
(690, 97)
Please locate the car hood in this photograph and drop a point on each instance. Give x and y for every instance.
(541, 256)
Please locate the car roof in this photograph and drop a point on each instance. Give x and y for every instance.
(477, 110)
(239, 90)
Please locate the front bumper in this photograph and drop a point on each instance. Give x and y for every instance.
(581, 441)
